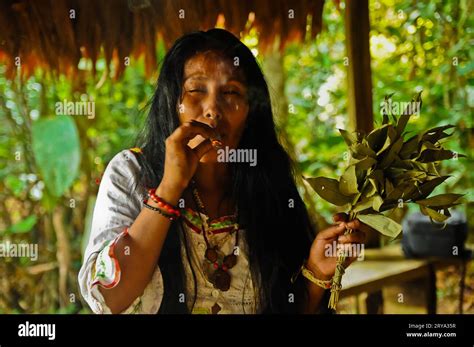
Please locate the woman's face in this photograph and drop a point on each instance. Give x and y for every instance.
(215, 93)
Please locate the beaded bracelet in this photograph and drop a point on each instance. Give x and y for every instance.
(171, 217)
(162, 204)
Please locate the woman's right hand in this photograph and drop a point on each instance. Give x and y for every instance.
(181, 161)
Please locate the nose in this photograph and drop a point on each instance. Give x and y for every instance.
(213, 118)
(212, 113)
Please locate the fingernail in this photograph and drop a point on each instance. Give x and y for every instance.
(216, 144)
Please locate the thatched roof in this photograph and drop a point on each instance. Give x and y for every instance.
(55, 34)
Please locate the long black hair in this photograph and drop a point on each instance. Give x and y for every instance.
(277, 226)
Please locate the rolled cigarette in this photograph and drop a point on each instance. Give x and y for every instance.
(216, 141)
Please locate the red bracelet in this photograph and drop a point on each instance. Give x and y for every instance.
(162, 204)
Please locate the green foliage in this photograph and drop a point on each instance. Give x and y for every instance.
(395, 171)
(57, 152)
(415, 46)
(22, 226)
(50, 163)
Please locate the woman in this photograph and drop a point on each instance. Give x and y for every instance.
(179, 229)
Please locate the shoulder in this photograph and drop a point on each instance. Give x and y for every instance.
(124, 166)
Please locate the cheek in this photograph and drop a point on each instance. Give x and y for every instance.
(240, 114)
(238, 118)
(188, 109)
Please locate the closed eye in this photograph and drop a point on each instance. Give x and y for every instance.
(231, 92)
(196, 91)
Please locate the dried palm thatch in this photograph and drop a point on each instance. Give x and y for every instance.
(56, 34)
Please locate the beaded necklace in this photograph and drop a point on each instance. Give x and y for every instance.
(221, 263)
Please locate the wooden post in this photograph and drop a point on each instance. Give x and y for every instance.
(359, 96)
(359, 76)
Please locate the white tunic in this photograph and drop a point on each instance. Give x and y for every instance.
(118, 205)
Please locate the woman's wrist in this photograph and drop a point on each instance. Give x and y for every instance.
(168, 192)
(313, 267)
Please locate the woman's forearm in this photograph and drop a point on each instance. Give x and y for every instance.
(315, 292)
(138, 253)
(315, 297)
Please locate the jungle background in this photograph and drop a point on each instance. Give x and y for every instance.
(414, 45)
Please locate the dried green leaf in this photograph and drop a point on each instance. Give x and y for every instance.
(392, 153)
(408, 112)
(370, 189)
(363, 164)
(411, 175)
(429, 167)
(432, 155)
(435, 134)
(395, 194)
(441, 200)
(386, 108)
(382, 224)
(433, 214)
(402, 122)
(409, 147)
(348, 182)
(349, 137)
(361, 150)
(377, 201)
(377, 137)
(328, 189)
(365, 204)
(391, 137)
(426, 188)
(388, 187)
(379, 177)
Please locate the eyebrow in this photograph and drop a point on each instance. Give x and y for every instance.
(196, 76)
(201, 77)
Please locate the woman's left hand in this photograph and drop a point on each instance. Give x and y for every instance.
(323, 254)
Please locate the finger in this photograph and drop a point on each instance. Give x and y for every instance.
(203, 148)
(340, 217)
(215, 133)
(188, 131)
(357, 236)
(358, 225)
(332, 232)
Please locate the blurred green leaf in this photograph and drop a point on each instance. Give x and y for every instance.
(15, 184)
(57, 152)
(22, 226)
